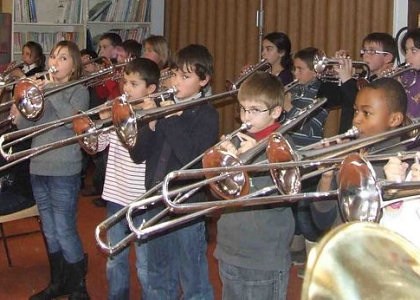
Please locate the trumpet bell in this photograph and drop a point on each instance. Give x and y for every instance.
(358, 190)
(235, 185)
(279, 150)
(124, 119)
(82, 125)
(29, 99)
(362, 261)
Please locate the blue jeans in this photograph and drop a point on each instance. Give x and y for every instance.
(248, 284)
(178, 258)
(117, 266)
(56, 197)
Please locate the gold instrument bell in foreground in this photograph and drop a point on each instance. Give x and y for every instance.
(362, 260)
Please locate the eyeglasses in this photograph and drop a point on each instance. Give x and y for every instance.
(372, 52)
(252, 111)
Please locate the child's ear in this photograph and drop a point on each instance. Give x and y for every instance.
(276, 112)
(396, 119)
(151, 88)
(204, 82)
(388, 58)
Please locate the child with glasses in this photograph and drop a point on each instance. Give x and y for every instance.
(253, 243)
(379, 51)
(410, 45)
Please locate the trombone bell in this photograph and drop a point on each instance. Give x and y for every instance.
(124, 119)
(29, 99)
(360, 196)
(82, 125)
(235, 185)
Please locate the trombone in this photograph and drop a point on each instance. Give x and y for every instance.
(8, 104)
(285, 174)
(233, 190)
(84, 127)
(359, 194)
(147, 199)
(263, 65)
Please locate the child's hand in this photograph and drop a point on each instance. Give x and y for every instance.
(168, 103)
(247, 142)
(228, 146)
(148, 103)
(345, 68)
(415, 169)
(41, 83)
(14, 113)
(105, 114)
(395, 169)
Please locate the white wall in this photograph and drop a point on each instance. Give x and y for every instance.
(400, 18)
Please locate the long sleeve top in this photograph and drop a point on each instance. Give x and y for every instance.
(256, 237)
(176, 141)
(64, 161)
(124, 179)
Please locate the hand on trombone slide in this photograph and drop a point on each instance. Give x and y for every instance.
(246, 143)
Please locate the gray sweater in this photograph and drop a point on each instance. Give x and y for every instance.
(64, 161)
(256, 237)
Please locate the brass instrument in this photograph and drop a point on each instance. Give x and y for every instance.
(323, 66)
(263, 65)
(148, 199)
(22, 105)
(86, 134)
(118, 216)
(405, 73)
(5, 76)
(362, 261)
(358, 201)
(285, 173)
(246, 157)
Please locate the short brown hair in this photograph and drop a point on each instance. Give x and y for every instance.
(263, 87)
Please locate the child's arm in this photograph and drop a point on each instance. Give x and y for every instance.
(144, 145)
(78, 101)
(188, 140)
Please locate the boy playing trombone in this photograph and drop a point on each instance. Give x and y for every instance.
(253, 243)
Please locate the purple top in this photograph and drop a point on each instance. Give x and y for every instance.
(411, 83)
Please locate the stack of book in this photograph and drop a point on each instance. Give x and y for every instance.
(121, 11)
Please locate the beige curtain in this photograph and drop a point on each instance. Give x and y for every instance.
(227, 28)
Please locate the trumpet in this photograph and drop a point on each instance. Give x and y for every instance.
(263, 65)
(323, 66)
(406, 74)
(5, 75)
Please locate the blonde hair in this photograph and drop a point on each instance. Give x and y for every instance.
(160, 46)
(262, 87)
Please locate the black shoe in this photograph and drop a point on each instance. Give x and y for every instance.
(77, 282)
(57, 286)
(99, 202)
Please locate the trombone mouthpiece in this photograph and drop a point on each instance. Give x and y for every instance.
(52, 69)
(245, 126)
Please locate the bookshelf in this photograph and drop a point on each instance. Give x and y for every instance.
(50, 21)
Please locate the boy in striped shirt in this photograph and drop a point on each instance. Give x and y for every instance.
(124, 182)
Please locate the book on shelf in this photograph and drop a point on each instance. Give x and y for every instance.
(46, 39)
(99, 9)
(127, 11)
